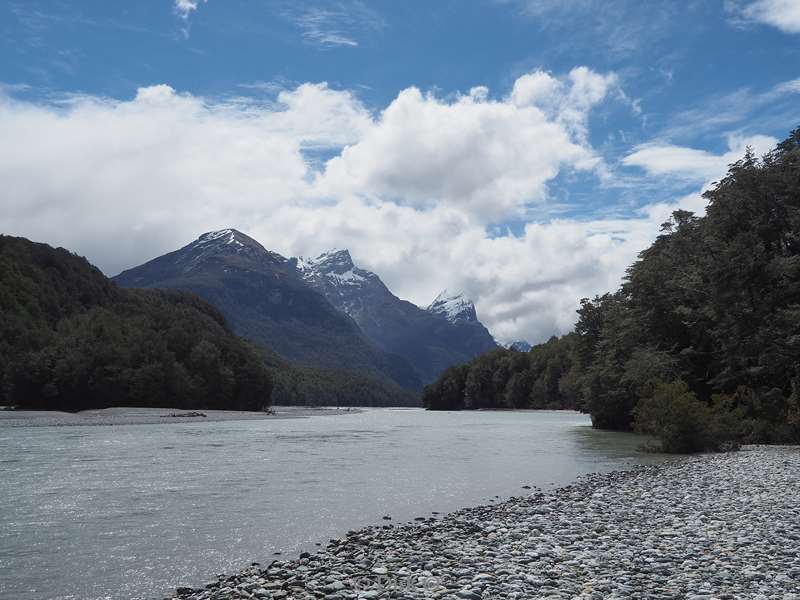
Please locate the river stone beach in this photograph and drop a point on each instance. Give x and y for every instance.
(711, 526)
(151, 416)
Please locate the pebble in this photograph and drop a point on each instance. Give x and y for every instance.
(705, 527)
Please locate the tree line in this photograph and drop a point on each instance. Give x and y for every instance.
(506, 378)
(701, 343)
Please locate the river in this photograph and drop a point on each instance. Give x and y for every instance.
(131, 511)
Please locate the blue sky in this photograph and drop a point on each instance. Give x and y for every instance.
(673, 56)
(304, 114)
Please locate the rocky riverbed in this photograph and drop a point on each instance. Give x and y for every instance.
(705, 527)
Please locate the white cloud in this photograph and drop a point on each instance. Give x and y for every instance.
(782, 14)
(692, 164)
(318, 27)
(525, 286)
(490, 158)
(184, 8)
(319, 116)
(772, 108)
(410, 191)
(786, 87)
(537, 89)
(335, 24)
(567, 100)
(119, 181)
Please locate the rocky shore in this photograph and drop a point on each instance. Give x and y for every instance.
(153, 416)
(705, 527)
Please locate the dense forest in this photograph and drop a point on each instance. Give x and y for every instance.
(699, 346)
(506, 378)
(301, 385)
(70, 339)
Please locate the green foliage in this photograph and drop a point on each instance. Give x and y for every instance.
(503, 378)
(310, 386)
(71, 340)
(713, 302)
(683, 423)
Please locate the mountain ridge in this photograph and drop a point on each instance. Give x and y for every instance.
(429, 339)
(264, 299)
(323, 312)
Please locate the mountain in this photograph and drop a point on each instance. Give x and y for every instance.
(454, 307)
(266, 299)
(430, 340)
(72, 340)
(519, 346)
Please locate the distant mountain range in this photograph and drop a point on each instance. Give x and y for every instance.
(323, 312)
(446, 333)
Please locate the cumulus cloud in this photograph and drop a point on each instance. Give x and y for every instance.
(689, 163)
(525, 286)
(411, 190)
(320, 117)
(491, 158)
(783, 14)
(119, 181)
(567, 100)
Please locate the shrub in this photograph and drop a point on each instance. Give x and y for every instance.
(683, 424)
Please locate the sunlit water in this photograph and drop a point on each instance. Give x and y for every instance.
(133, 511)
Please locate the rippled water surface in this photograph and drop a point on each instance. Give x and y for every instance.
(131, 511)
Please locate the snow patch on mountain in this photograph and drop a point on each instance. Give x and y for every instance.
(336, 267)
(225, 236)
(453, 306)
(225, 242)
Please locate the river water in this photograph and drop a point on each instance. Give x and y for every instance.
(131, 511)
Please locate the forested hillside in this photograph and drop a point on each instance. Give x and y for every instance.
(507, 378)
(70, 339)
(701, 344)
(299, 385)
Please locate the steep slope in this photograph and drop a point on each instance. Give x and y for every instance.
(454, 307)
(428, 340)
(264, 299)
(70, 340)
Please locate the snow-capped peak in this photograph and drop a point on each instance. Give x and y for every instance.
(519, 346)
(337, 259)
(229, 242)
(223, 236)
(336, 267)
(455, 307)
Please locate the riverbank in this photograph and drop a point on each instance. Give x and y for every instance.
(711, 526)
(151, 416)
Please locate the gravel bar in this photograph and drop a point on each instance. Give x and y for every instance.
(156, 416)
(711, 526)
